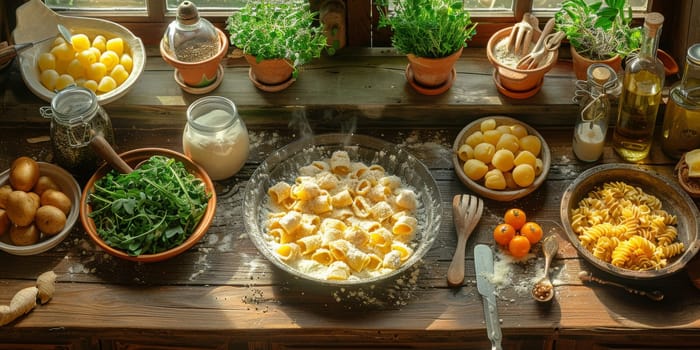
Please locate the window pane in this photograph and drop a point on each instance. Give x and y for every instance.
(637, 5)
(490, 5)
(209, 4)
(97, 5)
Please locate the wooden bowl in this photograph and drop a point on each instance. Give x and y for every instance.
(478, 187)
(35, 22)
(674, 200)
(70, 187)
(133, 158)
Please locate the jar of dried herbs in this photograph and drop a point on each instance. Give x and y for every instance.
(75, 118)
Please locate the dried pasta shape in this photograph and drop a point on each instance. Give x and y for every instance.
(309, 244)
(340, 162)
(362, 187)
(338, 270)
(360, 206)
(392, 260)
(358, 170)
(405, 251)
(357, 259)
(381, 211)
(305, 190)
(375, 262)
(290, 221)
(406, 199)
(356, 236)
(341, 199)
(288, 251)
(279, 192)
(381, 240)
(327, 181)
(339, 248)
(331, 223)
(322, 256)
(405, 226)
(392, 182)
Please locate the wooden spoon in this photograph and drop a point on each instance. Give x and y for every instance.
(466, 211)
(102, 147)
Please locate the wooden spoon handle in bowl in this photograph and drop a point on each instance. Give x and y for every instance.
(100, 145)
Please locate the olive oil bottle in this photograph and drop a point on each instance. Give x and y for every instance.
(641, 96)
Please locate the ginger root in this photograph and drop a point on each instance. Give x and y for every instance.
(25, 300)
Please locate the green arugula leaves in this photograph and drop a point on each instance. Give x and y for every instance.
(153, 209)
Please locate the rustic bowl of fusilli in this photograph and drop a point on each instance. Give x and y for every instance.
(630, 221)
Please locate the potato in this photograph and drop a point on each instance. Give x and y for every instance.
(44, 183)
(4, 191)
(24, 235)
(35, 199)
(57, 199)
(20, 208)
(4, 222)
(24, 174)
(49, 219)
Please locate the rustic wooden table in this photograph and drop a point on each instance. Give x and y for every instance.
(223, 294)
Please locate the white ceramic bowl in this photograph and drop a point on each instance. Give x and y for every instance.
(70, 187)
(283, 165)
(35, 21)
(478, 186)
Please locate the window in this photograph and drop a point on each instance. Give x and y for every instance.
(148, 18)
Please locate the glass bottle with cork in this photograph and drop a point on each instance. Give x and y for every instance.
(595, 101)
(681, 127)
(641, 96)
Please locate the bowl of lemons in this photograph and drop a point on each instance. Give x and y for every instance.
(100, 55)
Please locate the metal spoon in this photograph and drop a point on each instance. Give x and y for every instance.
(655, 295)
(65, 32)
(543, 290)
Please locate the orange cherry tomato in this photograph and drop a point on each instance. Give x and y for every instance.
(515, 217)
(532, 231)
(519, 246)
(503, 233)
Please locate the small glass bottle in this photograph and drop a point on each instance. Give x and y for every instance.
(75, 118)
(190, 38)
(641, 96)
(215, 137)
(595, 107)
(681, 128)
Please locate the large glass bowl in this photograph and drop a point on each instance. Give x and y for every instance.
(674, 200)
(283, 165)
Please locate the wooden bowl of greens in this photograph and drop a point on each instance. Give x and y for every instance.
(157, 212)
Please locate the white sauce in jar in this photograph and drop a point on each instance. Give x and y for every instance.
(217, 140)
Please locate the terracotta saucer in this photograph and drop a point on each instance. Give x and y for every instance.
(200, 90)
(515, 94)
(269, 88)
(429, 91)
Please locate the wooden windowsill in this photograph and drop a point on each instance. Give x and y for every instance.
(369, 84)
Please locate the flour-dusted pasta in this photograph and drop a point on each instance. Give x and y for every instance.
(347, 220)
(623, 225)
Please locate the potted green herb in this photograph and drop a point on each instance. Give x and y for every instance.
(276, 36)
(431, 33)
(598, 31)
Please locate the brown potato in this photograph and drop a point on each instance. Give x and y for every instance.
(24, 174)
(50, 220)
(4, 222)
(4, 192)
(57, 199)
(20, 208)
(44, 183)
(24, 235)
(35, 199)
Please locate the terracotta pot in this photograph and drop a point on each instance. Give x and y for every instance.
(433, 73)
(581, 64)
(514, 79)
(198, 74)
(272, 72)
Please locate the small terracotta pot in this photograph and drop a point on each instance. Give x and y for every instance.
(514, 79)
(581, 64)
(433, 72)
(198, 74)
(270, 72)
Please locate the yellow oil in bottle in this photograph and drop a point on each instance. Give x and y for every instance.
(639, 104)
(681, 128)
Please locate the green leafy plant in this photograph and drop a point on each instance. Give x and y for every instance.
(277, 29)
(599, 32)
(150, 210)
(427, 28)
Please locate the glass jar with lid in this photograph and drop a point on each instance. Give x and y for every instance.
(681, 127)
(595, 107)
(190, 38)
(215, 137)
(75, 118)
